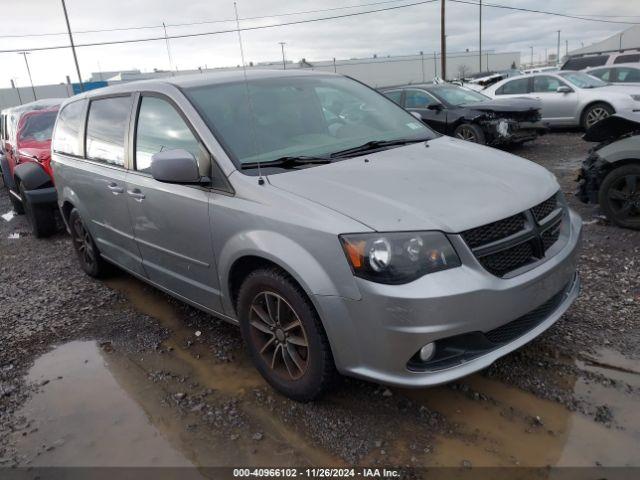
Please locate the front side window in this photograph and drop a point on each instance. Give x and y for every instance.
(627, 74)
(395, 95)
(270, 118)
(603, 74)
(160, 127)
(418, 99)
(106, 129)
(38, 127)
(514, 87)
(546, 83)
(66, 138)
(582, 80)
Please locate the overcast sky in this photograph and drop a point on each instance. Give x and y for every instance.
(403, 31)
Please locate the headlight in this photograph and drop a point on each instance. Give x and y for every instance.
(636, 98)
(395, 258)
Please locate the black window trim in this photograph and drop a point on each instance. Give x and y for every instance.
(103, 162)
(133, 132)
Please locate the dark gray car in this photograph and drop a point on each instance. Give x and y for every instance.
(337, 230)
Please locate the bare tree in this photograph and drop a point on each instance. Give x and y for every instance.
(463, 71)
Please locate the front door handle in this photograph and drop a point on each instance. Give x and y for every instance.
(136, 193)
(115, 188)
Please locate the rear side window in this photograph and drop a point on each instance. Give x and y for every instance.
(545, 83)
(514, 87)
(160, 127)
(603, 74)
(628, 58)
(106, 129)
(627, 74)
(66, 138)
(584, 62)
(394, 95)
(418, 99)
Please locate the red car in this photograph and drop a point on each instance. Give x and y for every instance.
(26, 165)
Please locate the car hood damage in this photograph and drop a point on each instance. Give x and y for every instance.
(613, 127)
(448, 185)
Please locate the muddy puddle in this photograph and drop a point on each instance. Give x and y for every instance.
(98, 405)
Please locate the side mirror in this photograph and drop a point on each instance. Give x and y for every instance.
(175, 166)
(563, 89)
(435, 106)
(417, 115)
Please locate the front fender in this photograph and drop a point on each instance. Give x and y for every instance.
(32, 175)
(286, 253)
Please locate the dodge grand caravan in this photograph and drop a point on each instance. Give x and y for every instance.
(339, 233)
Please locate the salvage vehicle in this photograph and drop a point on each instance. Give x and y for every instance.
(610, 175)
(582, 61)
(623, 74)
(570, 99)
(469, 115)
(368, 245)
(26, 168)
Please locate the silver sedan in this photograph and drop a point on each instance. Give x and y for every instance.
(570, 98)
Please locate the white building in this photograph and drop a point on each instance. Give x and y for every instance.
(625, 40)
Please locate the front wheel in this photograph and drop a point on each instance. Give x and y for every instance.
(41, 217)
(594, 113)
(470, 133)
(284, 336)
(619, 196)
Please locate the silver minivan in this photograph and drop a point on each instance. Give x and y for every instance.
(339, 232)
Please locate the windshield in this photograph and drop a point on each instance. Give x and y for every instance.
(310, 116)
(38, 127)
(459, 96)
(582, 80)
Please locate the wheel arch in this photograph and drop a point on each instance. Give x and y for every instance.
(591, 104)
(32, 176)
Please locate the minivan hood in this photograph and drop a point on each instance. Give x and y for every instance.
(449, 185)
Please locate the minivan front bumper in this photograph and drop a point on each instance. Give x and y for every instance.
(375, 338)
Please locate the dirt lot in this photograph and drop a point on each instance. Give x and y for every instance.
(115, 373)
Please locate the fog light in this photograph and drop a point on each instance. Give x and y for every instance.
(427, 352)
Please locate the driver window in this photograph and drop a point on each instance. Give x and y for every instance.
(601, 74)
(418, 99)
(544, 83)
(160, 128)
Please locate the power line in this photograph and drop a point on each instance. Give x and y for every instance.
(203, 22)
(545, 12)
(218, 32)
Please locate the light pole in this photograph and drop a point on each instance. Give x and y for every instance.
(621, 33)
(13, 85)
(531, 47)
(558, 52)
(284, 64)
(26, 62)
(73, 47)
(480, 40)
(443, 43)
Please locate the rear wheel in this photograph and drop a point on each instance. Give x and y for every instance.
(284, 336)
(85, 247)
(620, 196)
(41, 217)
(470, 133)
(594, 113)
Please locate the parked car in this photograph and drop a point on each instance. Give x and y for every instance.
(469, 115)
(610, 175)
(366, 244)
(570, 99)
(26, 168)
(580, 62)
(623, 74)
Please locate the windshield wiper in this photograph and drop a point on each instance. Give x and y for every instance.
(288, 162)
(375, 145)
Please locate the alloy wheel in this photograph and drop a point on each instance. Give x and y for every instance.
(83, 243)
(465, 133)
(624, 196)
(595, 115)
(279, 335)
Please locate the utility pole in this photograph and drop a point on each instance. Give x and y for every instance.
(166, 40)
(531, 47)
(566, 47)
(443, 43)
(335, 69)
(284, 64)
(13, 85)
(73, 47)
(26, 62)
(422, 63)
(558, 54)
(480, 40)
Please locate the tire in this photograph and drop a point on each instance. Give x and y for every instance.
(292, 354)
(594, 113)
(41, 217)
(619, 196)
(15, 203)
(470, 133)
(88, 254)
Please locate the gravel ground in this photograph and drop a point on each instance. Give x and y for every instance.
(47, 301)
